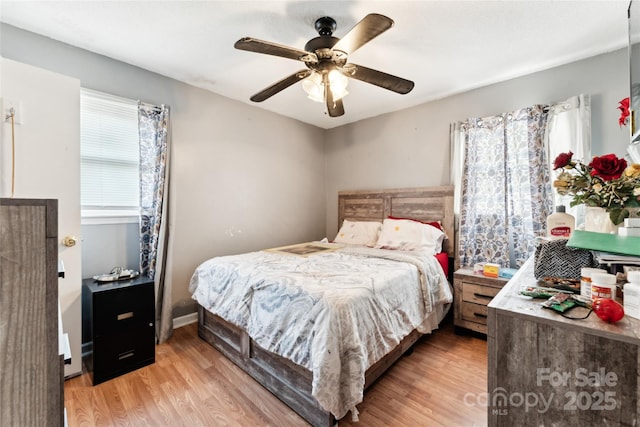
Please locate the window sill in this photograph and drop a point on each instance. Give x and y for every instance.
(103, 217)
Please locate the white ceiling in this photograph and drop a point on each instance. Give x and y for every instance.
(445, 47)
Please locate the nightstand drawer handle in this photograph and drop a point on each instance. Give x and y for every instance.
(127, 315)
(484, 316)
(477, 295)
(126, 354)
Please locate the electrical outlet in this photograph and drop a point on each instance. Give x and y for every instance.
(9, 107)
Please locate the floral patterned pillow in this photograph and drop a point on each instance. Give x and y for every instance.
(436, 224)
(408, 235)
(359, 232)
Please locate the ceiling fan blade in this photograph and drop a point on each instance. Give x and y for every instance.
(269, 48)
(280, 85)
(366, 30)
(334, 108)
(378, 78)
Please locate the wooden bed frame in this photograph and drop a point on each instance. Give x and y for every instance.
(289, 382)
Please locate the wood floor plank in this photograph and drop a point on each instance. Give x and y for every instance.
(191, 385)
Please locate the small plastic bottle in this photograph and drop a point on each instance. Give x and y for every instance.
(603, 285)
(632, 294)
(560, 224)
(585, 280)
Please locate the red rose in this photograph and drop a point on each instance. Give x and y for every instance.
(623, 106)
(562, 160)
(607, 167)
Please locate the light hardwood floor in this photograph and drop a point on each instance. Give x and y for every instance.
(191, 384)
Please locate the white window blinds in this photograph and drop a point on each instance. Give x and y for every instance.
(109, 155)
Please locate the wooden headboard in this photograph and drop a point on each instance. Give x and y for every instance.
(423, 203)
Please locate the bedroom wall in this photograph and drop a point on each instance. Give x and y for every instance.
(234, 167)
(411, 147)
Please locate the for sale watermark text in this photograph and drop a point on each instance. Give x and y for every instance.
(588, 391)
(581, 377)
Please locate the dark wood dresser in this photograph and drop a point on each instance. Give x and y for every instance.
(118, 326)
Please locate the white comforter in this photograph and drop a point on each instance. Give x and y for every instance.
(335, 313)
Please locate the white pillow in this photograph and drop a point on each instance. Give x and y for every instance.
(407, 235)
(359, 232)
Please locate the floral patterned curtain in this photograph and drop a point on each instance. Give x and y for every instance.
(153, 123)
(506, 192)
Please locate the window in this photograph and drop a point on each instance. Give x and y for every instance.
(109, 158)
(569, 129)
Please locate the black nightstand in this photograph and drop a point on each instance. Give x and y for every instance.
(118, 326)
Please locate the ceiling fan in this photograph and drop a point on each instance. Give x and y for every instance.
(325, 79)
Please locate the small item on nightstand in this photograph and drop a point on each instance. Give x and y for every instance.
(507, 273)
(116, 274)
(632, 294)
(491, 270)
(478, 267)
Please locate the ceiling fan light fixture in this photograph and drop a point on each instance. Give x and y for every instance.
(314, 87)
(338, 83)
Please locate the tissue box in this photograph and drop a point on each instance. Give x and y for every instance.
(491, 269)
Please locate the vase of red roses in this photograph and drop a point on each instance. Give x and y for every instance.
(607, 183)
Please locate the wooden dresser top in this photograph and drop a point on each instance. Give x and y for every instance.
(509, 301)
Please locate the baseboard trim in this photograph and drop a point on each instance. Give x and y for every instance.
(185, 320)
